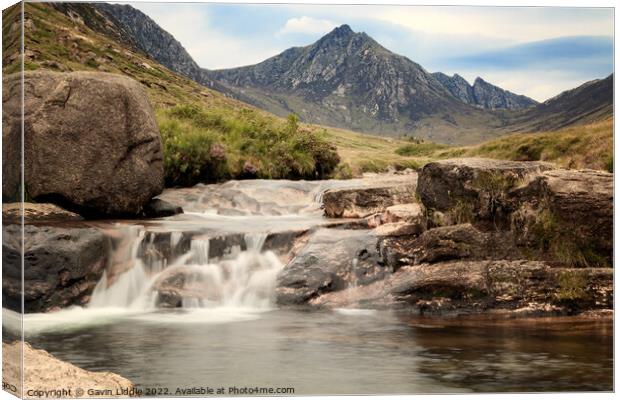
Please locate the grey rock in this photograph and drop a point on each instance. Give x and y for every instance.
(157, 208)
(331, 260)
(35, 213)
(570, 213)
(96, 155)
(456, 242)
(61, 266)
(474, 185)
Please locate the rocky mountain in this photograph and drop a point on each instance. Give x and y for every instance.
(347, 79)
(133, 28)
(483, 94)
(590, 102)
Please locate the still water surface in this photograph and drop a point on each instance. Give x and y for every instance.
(342, 351)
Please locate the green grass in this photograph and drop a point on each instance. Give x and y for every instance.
(235, 140)
(585, 146)
(207, 145)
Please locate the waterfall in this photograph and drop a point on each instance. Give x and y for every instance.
(245, 279)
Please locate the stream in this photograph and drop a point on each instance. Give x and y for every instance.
(223, 329)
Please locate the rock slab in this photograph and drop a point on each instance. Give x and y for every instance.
(45, 373)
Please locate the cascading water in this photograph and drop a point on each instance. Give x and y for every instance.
(244, 279)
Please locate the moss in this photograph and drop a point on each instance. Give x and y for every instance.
(343, 171)
(558, 239)
(572, 286)
(609, 164)
(456, 292)
(462, 212)
(494, 183)
(30, 66)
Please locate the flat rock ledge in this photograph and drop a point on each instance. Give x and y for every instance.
(363, 201)
(520, 286)
(44, 375)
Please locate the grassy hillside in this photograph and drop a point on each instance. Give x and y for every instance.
(585, 146)
(56, 42)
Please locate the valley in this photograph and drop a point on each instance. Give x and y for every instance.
(332, 220)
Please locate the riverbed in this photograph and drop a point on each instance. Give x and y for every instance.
(226, 330)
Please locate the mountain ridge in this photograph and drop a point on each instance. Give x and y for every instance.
(483, 94)
(345, 79)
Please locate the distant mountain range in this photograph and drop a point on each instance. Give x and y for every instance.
(483, 94)
(348, 80)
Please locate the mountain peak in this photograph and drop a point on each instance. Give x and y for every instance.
(479, 80)
(343, 29)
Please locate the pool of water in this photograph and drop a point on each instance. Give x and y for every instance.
(334, 352)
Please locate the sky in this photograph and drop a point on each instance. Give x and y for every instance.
(535, 51)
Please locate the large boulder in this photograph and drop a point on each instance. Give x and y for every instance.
(332, 260)
(569, 214)
(474, 188)
(92, 144)
(61, 266)
(531, 287)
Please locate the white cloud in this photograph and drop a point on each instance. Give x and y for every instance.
(210, 48)
(308, 25)
(519, 24)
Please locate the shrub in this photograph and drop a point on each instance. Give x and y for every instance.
(210, 145)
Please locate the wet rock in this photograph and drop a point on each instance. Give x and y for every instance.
(96, 155)
(362, 202)
(478, 286)
(568, 215)
(36, 212)
(455, 242)
(45, 373)
(61, 266)
(158, 208)
(474, 188)
(186, 282)
(331, 260)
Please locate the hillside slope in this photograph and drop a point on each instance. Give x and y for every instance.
(586, 104)
(62, 41)
(348, 80)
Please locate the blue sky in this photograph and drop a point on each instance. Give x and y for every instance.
(536, 51)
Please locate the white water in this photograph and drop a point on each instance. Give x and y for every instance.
(236, 288)
(246, 280)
